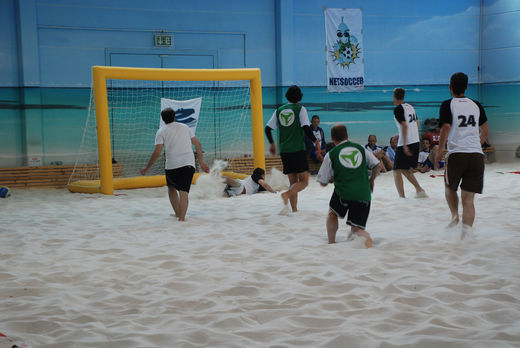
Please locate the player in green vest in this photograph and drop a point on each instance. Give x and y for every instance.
(347, 166)
(293, 124)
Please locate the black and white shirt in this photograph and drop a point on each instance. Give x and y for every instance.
(465, 116)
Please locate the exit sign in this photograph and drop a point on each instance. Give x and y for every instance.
(163, 40)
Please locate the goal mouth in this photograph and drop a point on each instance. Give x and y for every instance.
(124, 116)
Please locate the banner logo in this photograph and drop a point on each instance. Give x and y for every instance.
(286, 117)
(350, 157)
(346, 49)
(186, 111)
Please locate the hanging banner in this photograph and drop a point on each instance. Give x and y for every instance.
(186, 111)
(345, 63)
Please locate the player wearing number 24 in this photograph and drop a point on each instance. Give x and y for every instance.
(460, 119)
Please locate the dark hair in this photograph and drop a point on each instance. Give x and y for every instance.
(168, 115)
(339, 132)
(459, 83)
(399, 93)
(258, 171)
(315, 116)
(294, 94)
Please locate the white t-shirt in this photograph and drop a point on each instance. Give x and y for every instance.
(406, 112)
(176, 138)
(304, 119)
(465, 116)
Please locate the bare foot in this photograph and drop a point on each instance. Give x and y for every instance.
(368, 242)
(454, 221)
(285, 197)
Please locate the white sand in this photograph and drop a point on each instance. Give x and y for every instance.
(81, 270)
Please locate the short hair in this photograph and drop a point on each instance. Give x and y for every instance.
(399, 93)
(258, 171)
(339, 132)
(294, 94)
(315, 116)
(371, 135)
(168, 115)
(459, 82)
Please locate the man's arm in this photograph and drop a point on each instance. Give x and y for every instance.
(268, 133)
(198, 149)
(266, 185)
(483, 133)
(404, 130)
(155, 154)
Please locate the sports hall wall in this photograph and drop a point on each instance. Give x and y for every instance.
(47, 48)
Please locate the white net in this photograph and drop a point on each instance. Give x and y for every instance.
(223, 127)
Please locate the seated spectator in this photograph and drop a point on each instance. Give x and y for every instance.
(252, 184)
(310, 146)
(427, 155)
(376, 150)
(389, 158)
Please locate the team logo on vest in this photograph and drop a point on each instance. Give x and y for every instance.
(346, 48)
(286, 117)
(350, 157)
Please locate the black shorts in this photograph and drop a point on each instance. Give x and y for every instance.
(180, 178)
(404, 162)
(294, 162)
(465, 167)
(357, 210)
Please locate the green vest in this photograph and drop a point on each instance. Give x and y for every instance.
(350, 172)
(292, 137)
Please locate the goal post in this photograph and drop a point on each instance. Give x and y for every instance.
(100, 76)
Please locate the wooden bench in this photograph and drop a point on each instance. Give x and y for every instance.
(48, 176)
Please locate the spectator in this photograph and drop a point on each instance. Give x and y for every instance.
(376, 150)
(427, 155)
(389, 158)
(320, 136)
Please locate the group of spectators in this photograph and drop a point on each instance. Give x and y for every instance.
(385, 154)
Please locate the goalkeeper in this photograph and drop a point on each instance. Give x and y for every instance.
(252, 184)
(176, 139)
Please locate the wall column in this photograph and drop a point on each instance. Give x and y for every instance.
(29, 77)
(284, 47)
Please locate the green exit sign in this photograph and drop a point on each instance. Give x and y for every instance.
(163, 40)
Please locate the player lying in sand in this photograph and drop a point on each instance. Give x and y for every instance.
(252, 184)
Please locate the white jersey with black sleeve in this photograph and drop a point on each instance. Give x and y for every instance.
(406, 112)
(465, 116)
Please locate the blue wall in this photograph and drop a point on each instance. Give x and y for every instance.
(47, 49)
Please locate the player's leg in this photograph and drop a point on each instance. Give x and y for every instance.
(183, 205)
(357, 219)
(468, 207)
(472, 182)
(174, 200)
(398, 179)
(336, 209)
(411, 178)
(332, 226)
(453, 203)
(364, 234)
(232, 182)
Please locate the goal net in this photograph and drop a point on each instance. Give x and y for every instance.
(221, 106)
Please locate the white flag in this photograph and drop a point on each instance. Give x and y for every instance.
(186, 111)
(345, 63)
